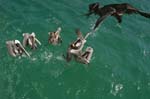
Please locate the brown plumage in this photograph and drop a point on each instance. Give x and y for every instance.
(115, 10)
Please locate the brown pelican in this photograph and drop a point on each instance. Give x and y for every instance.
(115, 10)
(31, 40)
(54, 37)
(75, 49)
(15, 48)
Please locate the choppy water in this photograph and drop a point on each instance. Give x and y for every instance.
(120, 66)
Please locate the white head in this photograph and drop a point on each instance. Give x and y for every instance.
(24, 34)
(58, 30)
(17, 42)
(49, 33)
(33, 34)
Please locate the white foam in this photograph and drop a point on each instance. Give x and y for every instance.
(46, 56)
(34, 59)
(68, 91)
(145, 52)
(138, 87)
(116, 88)
(59, 58)
(77, 92)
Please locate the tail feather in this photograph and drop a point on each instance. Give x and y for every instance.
(147, 15)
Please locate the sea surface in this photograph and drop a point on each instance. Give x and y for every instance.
(119, 68)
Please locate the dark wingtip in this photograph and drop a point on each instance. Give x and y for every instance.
(94, 28)
(147, 15)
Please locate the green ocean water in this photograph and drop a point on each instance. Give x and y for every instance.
(120, 65)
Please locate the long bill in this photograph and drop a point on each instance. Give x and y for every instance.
(37, 41)
(86, 36)
(25, 51)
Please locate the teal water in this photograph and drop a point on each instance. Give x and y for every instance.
(120, 66)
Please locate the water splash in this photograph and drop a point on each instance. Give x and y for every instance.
(46, 56)
(116, 88)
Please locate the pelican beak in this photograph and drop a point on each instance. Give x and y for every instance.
(24, 50)
(37, 41)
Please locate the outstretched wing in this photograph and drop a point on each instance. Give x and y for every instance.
(131, 10)
(100, 20)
